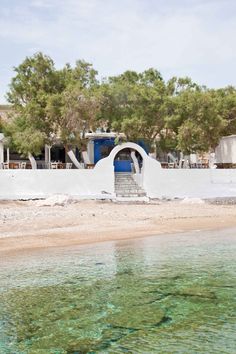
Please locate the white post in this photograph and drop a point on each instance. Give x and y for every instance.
(135, 161)
(1, 154)
(48, 155)
(186, 161)
(90, 150)
(32, 161)
(8, 155)
(181, 160)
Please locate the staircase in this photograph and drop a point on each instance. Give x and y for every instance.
(126, 187)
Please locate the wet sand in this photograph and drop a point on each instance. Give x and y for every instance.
(26, 226)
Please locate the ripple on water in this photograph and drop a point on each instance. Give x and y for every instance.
(169, 294)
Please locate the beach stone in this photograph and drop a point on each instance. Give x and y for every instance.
(58, 199)
(138, 317)
(192, 201)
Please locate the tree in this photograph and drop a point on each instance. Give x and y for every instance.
(226, 98)
(50, 104)
(1, 125)
(202, 125)
(76, 108)
(135, 104)
(74, 111)
(36, 79)
(177, 98)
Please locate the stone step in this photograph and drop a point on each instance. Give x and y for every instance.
(128, 191)
(125, 195)
(124, 179)
(131, 200)
(131, 186)
(126, 186)
(123, 173)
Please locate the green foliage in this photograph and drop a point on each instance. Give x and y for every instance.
(1, 125)
(135, 104)
(201, 124)
(73, 112)
(227, 108)
(36, 79)
(24, 138)
(49, 104)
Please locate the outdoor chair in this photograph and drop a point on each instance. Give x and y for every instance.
(22, 165)
(171, 165)
(54, 165)
(5, 165)
(68, 165)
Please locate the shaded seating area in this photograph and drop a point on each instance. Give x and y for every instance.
(12, 165)
(57, 165)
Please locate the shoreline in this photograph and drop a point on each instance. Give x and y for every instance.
(25, 226)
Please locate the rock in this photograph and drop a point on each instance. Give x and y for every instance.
(138, 318)
(192, 201)
(58, 199)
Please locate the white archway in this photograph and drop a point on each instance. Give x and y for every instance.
(134, 148)
(151, 167)
(131, 146)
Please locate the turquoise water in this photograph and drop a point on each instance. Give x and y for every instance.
(164, 294)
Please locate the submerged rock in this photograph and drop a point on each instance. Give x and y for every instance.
(138, 318)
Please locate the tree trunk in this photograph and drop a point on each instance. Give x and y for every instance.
(32, 161)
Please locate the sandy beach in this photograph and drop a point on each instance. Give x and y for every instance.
(28, 225)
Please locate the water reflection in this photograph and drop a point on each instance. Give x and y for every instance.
(165, 294)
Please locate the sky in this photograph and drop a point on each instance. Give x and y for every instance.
(195, 38)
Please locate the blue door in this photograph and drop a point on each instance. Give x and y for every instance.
(102, 148)
(122, 165)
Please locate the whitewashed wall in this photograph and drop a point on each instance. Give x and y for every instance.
(26, 184)
(99, 182)
(193, 183)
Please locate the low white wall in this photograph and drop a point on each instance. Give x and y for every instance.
(26, 184)
(99, 182)
(181, 183)
(162, 183)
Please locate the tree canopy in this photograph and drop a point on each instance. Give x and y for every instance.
(50, 104)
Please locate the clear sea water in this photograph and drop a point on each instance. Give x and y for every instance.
(163, 294)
